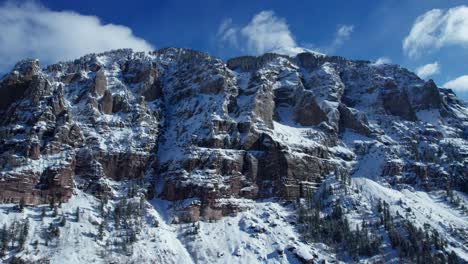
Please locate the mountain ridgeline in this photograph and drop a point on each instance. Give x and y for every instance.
(210, 139)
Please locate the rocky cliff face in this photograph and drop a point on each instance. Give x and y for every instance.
(207, 140)
(202, 130)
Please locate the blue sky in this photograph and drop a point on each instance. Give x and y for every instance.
(368, 30)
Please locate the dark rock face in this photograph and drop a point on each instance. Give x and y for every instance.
(15, 84)
(125, 165)
(427, 96)
(307, 111)
(396, 102)
(354, 121)
(269, 126)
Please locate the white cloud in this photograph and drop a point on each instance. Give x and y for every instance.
(31, 30)
(267, 32)
(227, 32)
(458, 84)
(382, 60)
(343, 33)
(264, 33)
(437, 28)
(428, 70)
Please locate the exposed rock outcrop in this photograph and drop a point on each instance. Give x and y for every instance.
(107, 103)
(100, 83)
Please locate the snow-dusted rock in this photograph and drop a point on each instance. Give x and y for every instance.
(206, 135)
(209, 129)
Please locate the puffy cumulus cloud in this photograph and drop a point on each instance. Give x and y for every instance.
(267, 32)
(437, 28)
(31, 30)
(428, 70)
(264, 33)
(459, 84)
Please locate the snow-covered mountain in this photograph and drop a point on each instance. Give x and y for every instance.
(174, 156)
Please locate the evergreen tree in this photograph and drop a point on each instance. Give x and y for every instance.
(63, 221)
(4, 240)
(21, 204)
(333, 229)
(43, 213)
(35, 244)
(52, 202)
(12, 232)
(77, 214)
(52, 232)
(453, 258)
(379, 206)
(117, 214)
(55, 211)
(142, 206)
(23, 233)
(102, 226)
(101, 208)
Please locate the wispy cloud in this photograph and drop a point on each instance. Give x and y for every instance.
(437, 28)
(31, 30)
(428, 70)
(342, 34)
(227, 32)
(382, 60)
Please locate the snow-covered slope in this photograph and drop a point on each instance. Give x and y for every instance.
(261, 234)
(175, 156)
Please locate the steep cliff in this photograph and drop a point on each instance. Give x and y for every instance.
(205, 135)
